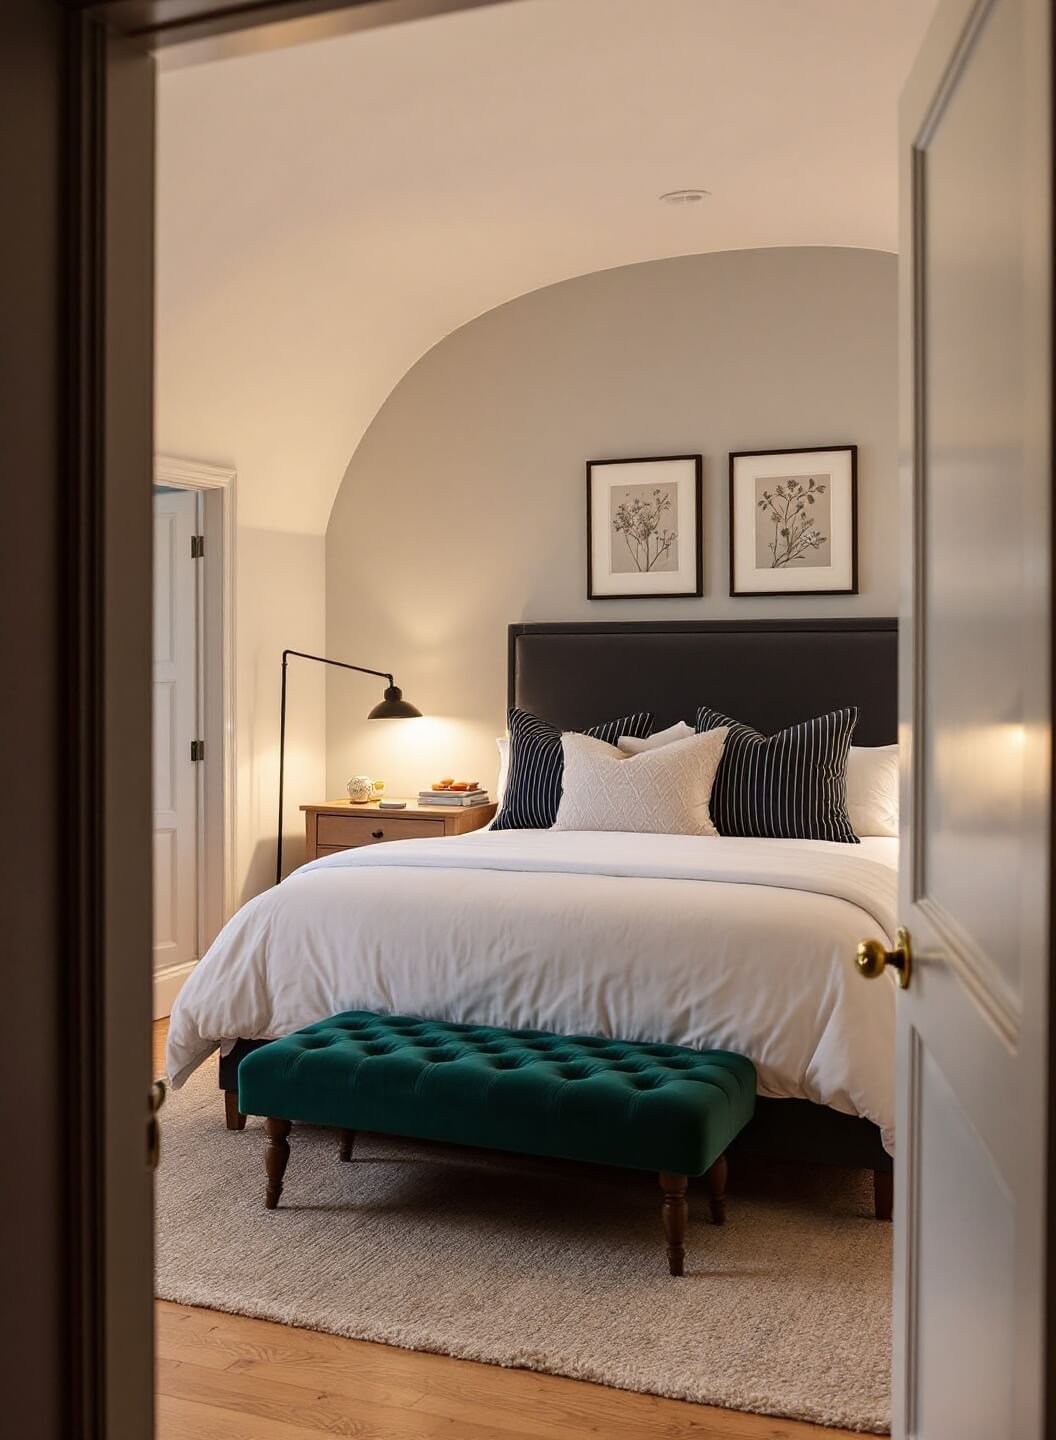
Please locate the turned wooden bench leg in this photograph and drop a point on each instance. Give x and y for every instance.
(675, 1212)
(715, 1183)
(884, 1193)
(345, 1140)
(276, 1154)
(232, 1114)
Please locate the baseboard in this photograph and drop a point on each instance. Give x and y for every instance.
(167, 985)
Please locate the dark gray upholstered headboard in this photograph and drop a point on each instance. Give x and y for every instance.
(768, 673)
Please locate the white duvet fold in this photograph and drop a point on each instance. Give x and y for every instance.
(744, 945)
(844, 872)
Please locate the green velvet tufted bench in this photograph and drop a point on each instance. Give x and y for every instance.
(613, 1102)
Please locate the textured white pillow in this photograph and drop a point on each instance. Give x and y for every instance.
(661, 792)
(872, 789)
(631, 745)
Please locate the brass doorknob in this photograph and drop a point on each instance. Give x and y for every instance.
(873, 958)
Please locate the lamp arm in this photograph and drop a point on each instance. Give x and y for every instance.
(321, 660)
(341, 664)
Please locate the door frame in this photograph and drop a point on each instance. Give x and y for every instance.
(217, 677)
(189, 32)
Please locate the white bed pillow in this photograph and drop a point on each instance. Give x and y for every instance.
(503, 742)
(631, 745)
(660, 792)
(872, 789)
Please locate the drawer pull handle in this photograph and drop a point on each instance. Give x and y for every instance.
(376, 834)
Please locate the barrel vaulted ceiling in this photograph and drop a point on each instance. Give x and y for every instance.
(329, 212)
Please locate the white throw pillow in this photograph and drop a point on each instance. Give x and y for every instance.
(631, 745)
(503, 742)
(661, 792)
(872, 789)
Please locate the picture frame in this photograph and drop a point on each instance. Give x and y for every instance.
(794, 521)
(644, 524)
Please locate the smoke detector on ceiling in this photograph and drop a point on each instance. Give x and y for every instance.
(684, 197)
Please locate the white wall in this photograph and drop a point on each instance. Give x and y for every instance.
(463, 506)
(280, 604)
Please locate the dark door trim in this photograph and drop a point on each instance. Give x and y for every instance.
(108, 878)
(252, 24)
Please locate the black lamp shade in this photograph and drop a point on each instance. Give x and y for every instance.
(394, 707)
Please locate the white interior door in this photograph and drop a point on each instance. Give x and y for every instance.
(176, 908)
(975, 695)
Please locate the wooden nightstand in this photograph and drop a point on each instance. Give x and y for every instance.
(340, 825)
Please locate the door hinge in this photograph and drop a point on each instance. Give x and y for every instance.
(197, 546)
(197, 750)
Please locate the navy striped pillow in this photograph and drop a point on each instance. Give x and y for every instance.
(537, 764)
(792, 786)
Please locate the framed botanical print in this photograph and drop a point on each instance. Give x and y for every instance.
(643, 528)
(794, 521)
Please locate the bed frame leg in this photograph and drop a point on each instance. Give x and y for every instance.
(715, 1183)
(232, 1114)
(884, 1193)
(675, 1213)
(276, 1155)
(345, 1140)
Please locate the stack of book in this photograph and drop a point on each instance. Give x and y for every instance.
(474, 796)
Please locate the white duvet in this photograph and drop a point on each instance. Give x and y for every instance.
(743, 945)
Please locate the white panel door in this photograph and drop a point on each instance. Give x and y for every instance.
(975, 712)
(175, 721)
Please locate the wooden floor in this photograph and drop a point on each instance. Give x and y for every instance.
(226, 1377)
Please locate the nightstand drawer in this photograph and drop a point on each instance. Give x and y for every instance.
(346, 831)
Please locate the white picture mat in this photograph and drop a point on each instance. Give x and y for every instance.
(604, 478)
(839, 574)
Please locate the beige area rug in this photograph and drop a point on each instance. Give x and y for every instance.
(784, 1310)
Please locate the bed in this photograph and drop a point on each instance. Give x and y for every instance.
(739, 944)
